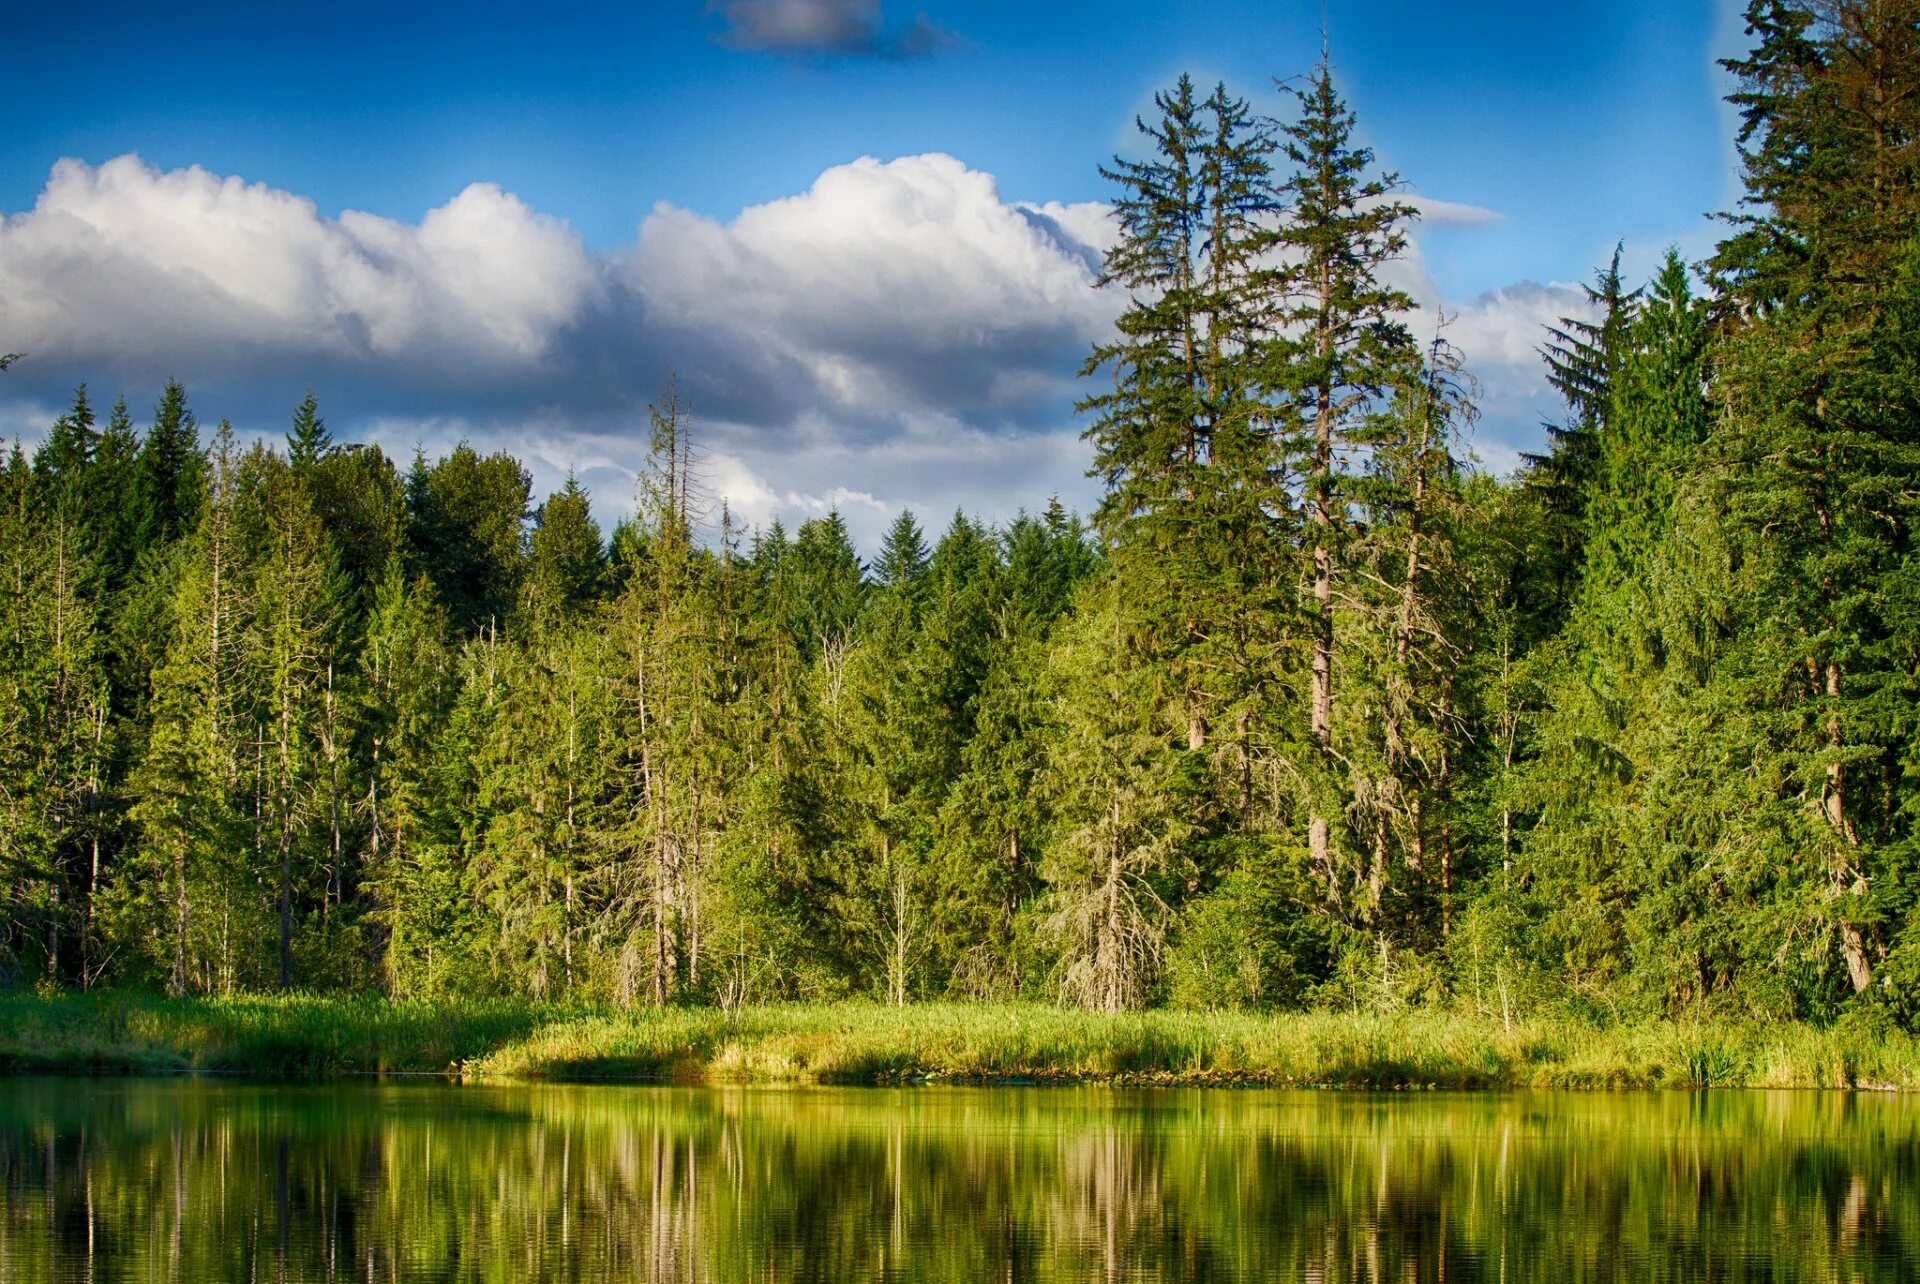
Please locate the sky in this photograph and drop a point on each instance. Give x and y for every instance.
(861, 236)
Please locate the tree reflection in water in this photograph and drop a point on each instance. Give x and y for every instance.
(192, 1181)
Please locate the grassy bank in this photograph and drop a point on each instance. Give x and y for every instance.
(862, 1043)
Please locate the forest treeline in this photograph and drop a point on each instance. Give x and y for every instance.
(1313, 711)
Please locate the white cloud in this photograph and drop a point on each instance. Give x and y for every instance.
(152, 267)
(1438, 213)
(898, 335)
(904, 285)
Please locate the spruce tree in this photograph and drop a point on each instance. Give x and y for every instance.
(1582, 355)
(1345, 342)
(1816, 460)
(903, 554)
(1180, 439)
(466, 515)
(168, 489)
(567, 562)
(183, 786)
(308, 441)
(61, 464)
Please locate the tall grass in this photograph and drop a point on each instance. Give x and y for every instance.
(308, 1036)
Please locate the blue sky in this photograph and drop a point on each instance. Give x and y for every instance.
(534, 310)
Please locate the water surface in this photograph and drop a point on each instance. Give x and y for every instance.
(193, 1180)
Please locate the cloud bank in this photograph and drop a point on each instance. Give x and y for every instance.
(899, 334)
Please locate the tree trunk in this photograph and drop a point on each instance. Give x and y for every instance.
(283, 804)
(1319, 843)
(182, 921)
(1844, 876)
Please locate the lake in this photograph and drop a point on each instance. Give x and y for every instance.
(200, 1180)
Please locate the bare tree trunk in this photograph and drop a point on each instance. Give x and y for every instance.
(335, 874)
(566, 921)
(182, 923)
(1319, 844)
(1844, 876)
(283, 805)
(902, 894)
(87, 941)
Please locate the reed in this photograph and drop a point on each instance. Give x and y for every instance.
(307, 1036)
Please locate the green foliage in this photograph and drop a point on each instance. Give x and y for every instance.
(1318, 714)
(466, 514)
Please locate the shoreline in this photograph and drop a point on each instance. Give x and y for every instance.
(315, 1038)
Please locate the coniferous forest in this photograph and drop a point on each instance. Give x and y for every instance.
(1311, 711)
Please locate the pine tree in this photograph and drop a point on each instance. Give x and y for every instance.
(567, 566)
(53, 712)
(308, 441)
(292, 616)
(662, 656)
(112, 489)
(407, 693)
(61, 464)
(1344, 344)
(1122, 803)
(903, 555)
(466, 517)
(825, 586)
(361, 501)
(1819, 452)
(1582, 357)
(1180, 439)
(183, 785)
(1408, 625)
(168, 489)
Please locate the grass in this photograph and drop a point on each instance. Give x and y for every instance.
(311, 1037)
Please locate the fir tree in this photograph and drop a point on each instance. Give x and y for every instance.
(308, 441)
(168, 488)
(1345, 343)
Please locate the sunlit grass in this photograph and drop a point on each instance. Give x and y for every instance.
(309, 1036)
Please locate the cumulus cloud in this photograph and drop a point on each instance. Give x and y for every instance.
(898, 335)
(891, 301)
(843, 28)
(127, 259)
(899, 287)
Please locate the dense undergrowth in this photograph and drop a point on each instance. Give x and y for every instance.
(310, 1036)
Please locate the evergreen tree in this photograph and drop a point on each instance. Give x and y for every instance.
(1814, 467)
(183, 787)
(825, 588)
(53, 710)
(466, 513)
(168, 487)
(1344, 344)
(292, 607)
(1582, 356)
(1122, 798)
(663, 721)
(308, 441)
(1408, 625)
(567, 566)
(60, 465)
(407, 693)
(1180, 437)
(903, 555)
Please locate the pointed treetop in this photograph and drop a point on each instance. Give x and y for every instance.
(308, 441)
(903, 555)
(69, 447)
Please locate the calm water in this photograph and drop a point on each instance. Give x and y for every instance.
(197, 1181)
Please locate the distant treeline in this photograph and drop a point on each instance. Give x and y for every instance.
(1314, 713)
